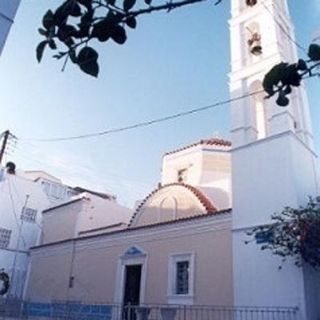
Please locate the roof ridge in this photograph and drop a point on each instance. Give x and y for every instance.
(211, 141)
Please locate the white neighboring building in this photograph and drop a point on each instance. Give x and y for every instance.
(87, 214)
(21, 203)
(25, 196)
(53, 187)
(8, 9)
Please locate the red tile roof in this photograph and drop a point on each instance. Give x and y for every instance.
(208, 142)
(207, 204)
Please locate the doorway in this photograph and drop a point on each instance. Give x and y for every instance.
(132, 287)
(132, 284)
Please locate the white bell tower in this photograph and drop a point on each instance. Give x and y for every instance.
(262, 36)
(273, 158)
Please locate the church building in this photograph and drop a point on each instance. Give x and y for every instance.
(185, 243)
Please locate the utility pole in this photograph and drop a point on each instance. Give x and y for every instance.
(6, 136)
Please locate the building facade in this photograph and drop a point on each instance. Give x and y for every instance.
(8, 9)
(160, 257)
(23, 197)
(184, 245)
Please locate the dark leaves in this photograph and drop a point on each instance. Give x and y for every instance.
(111, 2)
(314, 52)
(118, 34)
(128, 4)
(281, 78)
(88, 61)
(282, 100)
(40, 49)
(273, 77)
(295, 233)
(66, 31)
(101, 30)
(48, 20)
(131, 22)
(86, 3)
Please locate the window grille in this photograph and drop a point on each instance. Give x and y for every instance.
(29, 215)
(5, 235)
(182, 277)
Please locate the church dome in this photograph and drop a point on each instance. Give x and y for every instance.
(171, 202)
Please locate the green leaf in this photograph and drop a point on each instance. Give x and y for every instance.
(52, 45)
(48, 20)
(118, 34)
(101, 30)
(128, 4)
(302, 65)
(131, 22)
(43, 32)
(314, 52)
(87, 61)
(68, 8)
(75, 9)
(65, 31)
(40, 49)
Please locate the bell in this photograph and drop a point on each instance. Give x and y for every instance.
(251, 3)
(255, 44)
(256, 48)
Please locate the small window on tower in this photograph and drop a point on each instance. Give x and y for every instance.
(182, 175)
(251, 3)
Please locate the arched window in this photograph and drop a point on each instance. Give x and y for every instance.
(259, 112)
(168, 209)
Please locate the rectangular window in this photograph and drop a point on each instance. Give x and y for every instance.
(182, 277)
(29, 215)
(182, 175)
(5, 235)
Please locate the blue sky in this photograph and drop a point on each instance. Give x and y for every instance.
(170, 63)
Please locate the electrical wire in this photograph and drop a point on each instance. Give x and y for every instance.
(146, 123)
(298, 45)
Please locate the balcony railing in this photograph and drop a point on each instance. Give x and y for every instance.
(102, 311)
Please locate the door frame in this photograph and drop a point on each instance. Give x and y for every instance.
(124, 261)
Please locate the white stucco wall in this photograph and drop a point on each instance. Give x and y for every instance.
(86, 214)
(208, 168)
(13, 192)
(276, 172)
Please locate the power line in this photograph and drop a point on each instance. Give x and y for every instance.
(299, 46)
(147, 123)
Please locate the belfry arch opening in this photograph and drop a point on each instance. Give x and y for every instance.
(258, 110)
(253, 39)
